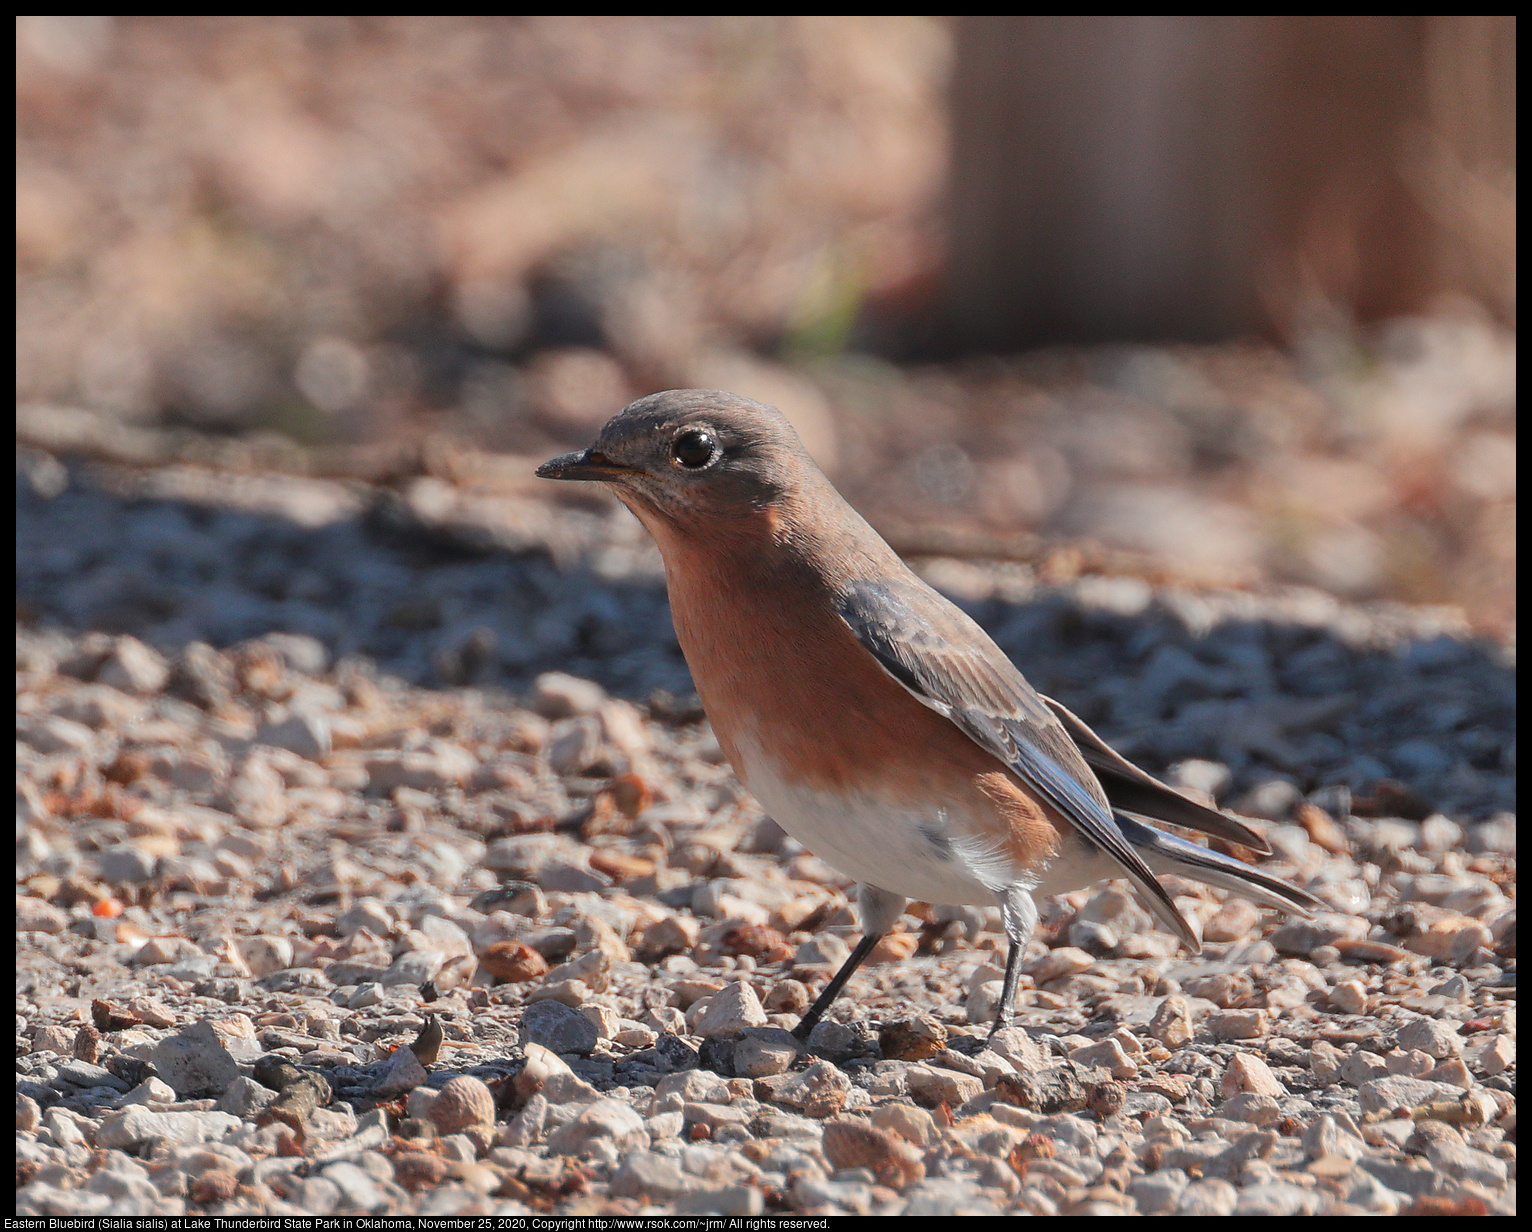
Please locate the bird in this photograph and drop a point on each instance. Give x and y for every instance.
(427, 1045)
(872, 718)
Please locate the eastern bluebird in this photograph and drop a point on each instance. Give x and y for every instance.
(872, 718)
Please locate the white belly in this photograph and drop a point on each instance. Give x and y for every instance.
(922, 854)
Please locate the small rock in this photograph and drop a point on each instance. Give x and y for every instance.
(302, 653)
(1430, 1036)
(671, 935)
(1056, 1089)
(265, 954)
(763, 1051)
(1023, 1052)
(464, 1102)
(1248, 1073)
(1232, 921)
(34, 915)
(824, 950)
(732, 1201)
(545, 1072)
(1349, 997)
(1211, 778)
(1238, 1024)
(134, 1126)
(128, 863)
(856, 1144)
(559, 1028)
(1497, 1056)
(1273, 800)
(1158, 1192)
(593, 969)
(244, 1098)
(914, 1125)
(405, 1073)
(1252, 1109)
(834, 1041)
(1172, 1022)
(1109, 1054)
(134, 668)
(557, 695)
(1396, 1091)
(607, 1120)
(203, 675)
(1277, 1198)
(307, 735)
(257, 795)
(1496, 834)
(28, 1114)
(656, 1178)
(913, 1039)
(1208, 1197)
(434, 769)
(1322, 829)
(1056, 964)
(819, 1091)
(196, 1062)
(931, 1086)
(526, 1127)
(729, 1012)
(513, 962)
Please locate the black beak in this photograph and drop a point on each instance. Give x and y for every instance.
(582, 464)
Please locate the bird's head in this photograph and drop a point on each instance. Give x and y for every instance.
(690, 454)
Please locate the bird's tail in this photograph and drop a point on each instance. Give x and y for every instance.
(1165, 853)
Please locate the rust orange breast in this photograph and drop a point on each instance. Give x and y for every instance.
(775, 666)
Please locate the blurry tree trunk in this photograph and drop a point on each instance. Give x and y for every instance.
(1202, 177)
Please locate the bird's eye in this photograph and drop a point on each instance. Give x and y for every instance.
(694, 448)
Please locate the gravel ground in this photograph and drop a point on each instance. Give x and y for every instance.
(362, 872)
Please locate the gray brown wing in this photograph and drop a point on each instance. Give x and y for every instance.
(949, 664)
(1135, 791)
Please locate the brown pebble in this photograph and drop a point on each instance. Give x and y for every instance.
(416, 1170)
(620, 865)
(513, 962)
(1034, 1146)
(87, 1044)
(912, 1039)
(208, 1188)
(757, 940)
(1174, 1087)
(1051, 1090)
(128, 768)
(853, 1143)
(462, 1102)
(109, 1016)
(632, 795)
(1106, 1099)
(300, 1095)
(786, 997)
(1323, 830)
(414, 1131)
(1427, 1204)
(893, 948)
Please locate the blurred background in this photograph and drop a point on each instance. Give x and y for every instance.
(1226, 300)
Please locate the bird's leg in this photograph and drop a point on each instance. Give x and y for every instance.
(1019, 914)
(878, 910)
(1005, 1012)
(810, 1020)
